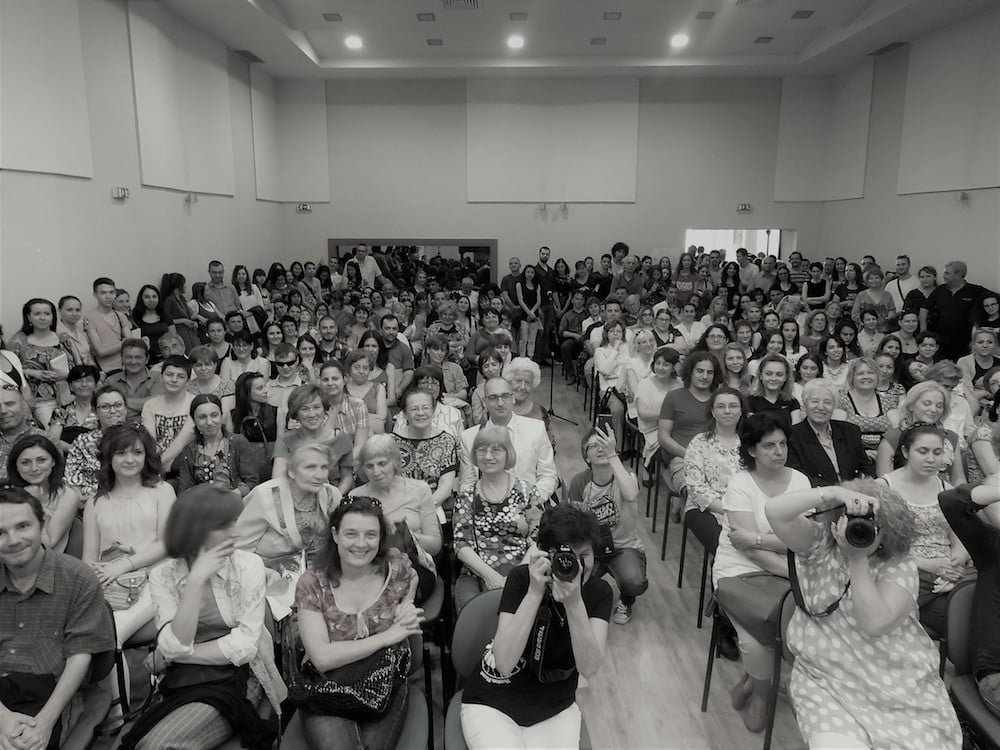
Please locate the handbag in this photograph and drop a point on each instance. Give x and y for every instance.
(125, 590)
(177, 676)
(362, 690)
(754, 601)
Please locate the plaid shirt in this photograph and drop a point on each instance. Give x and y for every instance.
(63, 614)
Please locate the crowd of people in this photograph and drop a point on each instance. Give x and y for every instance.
(314, 451)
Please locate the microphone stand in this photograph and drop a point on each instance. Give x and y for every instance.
(555, 351)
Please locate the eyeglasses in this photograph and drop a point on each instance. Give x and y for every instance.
(108, 408)
(9, 387)
(289, 363)
(497, 397)
(491, 450)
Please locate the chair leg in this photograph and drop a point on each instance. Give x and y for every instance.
(772, 693)
(704, 582)
(680, 567)
(713, 644)
(430, 695)
(666, 530)
(120, 677)
(656, 496)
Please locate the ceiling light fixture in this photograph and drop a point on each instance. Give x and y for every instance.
(332, 17)
(353, 42)
(515, 42)
(801, 15)
(763, 40)
(519, 16)
(679, 41)
(435, 42)
(705, 15)
(598, 41)
(612, 15)
(425, 16)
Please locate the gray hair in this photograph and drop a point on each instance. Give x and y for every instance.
(819, 384)
(523, 364)
(382, 446)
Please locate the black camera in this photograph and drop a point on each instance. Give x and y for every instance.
(861, 531)
(565, 563)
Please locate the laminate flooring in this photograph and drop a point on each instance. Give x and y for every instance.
(648, 692)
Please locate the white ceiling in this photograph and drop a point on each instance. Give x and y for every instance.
(295, 41)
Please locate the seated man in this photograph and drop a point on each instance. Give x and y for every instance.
(535, 463)
(610, 491)
(15, 423)
(53, 620)
(135, 379)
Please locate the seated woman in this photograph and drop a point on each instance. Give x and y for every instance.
(72, 420)
(610, 360)
(524, 376)
(244, 358)
(255, 419)
(427, 452)
(747, 546)
(205, 363)
(809, 367)
(490, 365)
(213, 653)
(772, 390)
(344, 412)
(649, 397)
(925, 402)
(285, 518)
(446, 417)
(863, 405)
(215, 457)
(940, 557)
(357, 600)
(520, 698)
(865, 672)
(37, 465)
(371, 393)
(404, 500)
(456, 385)
(307, 405)
(496, 522)
(123, 525)
(712, 459)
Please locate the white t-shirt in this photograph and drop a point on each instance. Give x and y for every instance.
(743, 494)
(369, 271)
(899, 288)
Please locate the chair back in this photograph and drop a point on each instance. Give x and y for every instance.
(74, 542)
(476, 626)
(960, 602)
(787, 610)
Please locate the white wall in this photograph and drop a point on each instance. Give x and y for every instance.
(932, 227)
(58, 233)
(398, 169)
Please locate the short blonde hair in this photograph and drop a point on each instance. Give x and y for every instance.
(495, 437)
(523, 364)
(915, 393)
(382, 446)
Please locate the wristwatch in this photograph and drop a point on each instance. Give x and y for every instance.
(757, 542)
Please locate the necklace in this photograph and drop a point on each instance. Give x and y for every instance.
(312, 502)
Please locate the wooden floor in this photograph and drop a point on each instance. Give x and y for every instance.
(648, 693)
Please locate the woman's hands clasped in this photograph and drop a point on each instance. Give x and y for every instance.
(407, 622)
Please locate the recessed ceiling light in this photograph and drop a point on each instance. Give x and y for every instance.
(598, 41)
(425, 16)
(705, 15)
(612, 15)
(332, 17)
(515, 42)
(763, 40)
(802, 14)
(519, 16)
(679, 41)
(353, 42)
(435, 42)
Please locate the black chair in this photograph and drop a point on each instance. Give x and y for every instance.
(782, 615)
(706, 530)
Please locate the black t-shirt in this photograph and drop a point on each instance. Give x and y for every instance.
(781, 409)
(521, 696)
(915, 300)
(951, 314)
(601, 283)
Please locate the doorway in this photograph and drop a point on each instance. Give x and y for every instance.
(756, 241)
(483, 251)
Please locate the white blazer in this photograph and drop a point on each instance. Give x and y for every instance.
(535, 462)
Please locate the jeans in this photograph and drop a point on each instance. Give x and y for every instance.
(570, 350)
(346, 734)
(628, 568)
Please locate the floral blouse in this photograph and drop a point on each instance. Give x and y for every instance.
(428, 458)
(315, 593)
(499, 533)
(708, 467)
(34, 357)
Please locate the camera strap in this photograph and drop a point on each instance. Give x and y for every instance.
(536, 647)
(793, 579)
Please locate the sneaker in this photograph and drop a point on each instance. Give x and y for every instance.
(622, 615)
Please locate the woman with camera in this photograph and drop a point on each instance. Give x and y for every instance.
(749, 550)
(865, 672)
(523, 696)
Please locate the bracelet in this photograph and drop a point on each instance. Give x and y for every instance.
(757, 542)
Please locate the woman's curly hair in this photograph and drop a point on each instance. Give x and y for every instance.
(896, 522)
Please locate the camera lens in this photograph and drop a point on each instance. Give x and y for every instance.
(861, 531)
(565, 564)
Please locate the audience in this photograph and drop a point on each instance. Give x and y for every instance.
(297, 372)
